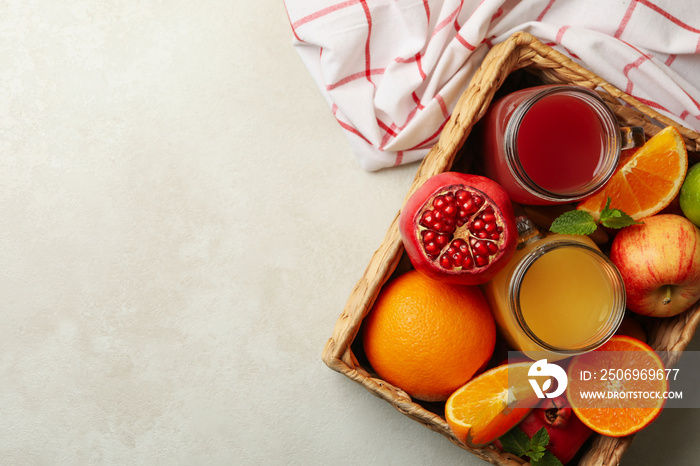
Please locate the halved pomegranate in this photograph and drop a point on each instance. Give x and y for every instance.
(459, 228)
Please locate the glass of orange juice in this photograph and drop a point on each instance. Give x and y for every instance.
(559, 295)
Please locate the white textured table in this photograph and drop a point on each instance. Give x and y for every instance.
(182, 222)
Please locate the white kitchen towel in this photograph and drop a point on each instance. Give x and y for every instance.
(392, 70)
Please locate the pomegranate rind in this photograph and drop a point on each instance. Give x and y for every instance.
(494, 195)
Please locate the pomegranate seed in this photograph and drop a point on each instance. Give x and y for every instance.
(426, 219)
(493, 249)
(462, 195)
(481, 260)
(442, 240)
(468, 263)
(450, 211)
(457, 259)
(431, 248)
(478, 200)
(469, 206)
(438, 215)
(494, 236)
(445, 261)
(428, 235)
(490, 227)
(477, 225)
(482, 235)
(480, 248)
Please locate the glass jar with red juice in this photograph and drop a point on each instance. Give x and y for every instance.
(553, 144)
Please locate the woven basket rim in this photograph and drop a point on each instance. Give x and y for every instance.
(521, 50)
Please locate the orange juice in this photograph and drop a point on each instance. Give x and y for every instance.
(559, 294)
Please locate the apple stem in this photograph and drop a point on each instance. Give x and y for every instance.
(668, 292)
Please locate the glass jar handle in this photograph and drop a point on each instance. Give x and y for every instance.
(632, 136)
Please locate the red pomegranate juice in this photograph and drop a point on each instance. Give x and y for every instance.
(550, 144)
(560, 143)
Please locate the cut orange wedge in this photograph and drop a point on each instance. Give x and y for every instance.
(490, 404)
(646, 180)
(630, 379)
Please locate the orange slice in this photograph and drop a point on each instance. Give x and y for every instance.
(490, 404)
(646, 180)
(624, 369)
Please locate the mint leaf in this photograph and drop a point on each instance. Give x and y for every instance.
(619, 221)
(606, 208)
(515, 441)
(580, 222)
(548, 459)
(615, 218)
(574, 222)
(537, 444)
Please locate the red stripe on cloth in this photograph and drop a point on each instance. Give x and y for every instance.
(443, 107)
(441, 25)
(424, 143)
(292, 25)
(497, 14)
(407, 60)
(353, 77)
(671, 58)
(546, 9)
(324, 12)
(426, 5)
(626, 70)
(464, 42)
(446, 114)
(389, 132)
(346, 126)
(456, 22)
(419, 64)
(554, 44)
(625, 19)
(368, 16)
(651, 103)
(399, 158)
(697, 105)
(668, 16)
(387, 129)
(411, 115)
(560, 33)
(697, 47)
(416, 99)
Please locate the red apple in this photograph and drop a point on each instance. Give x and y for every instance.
(660, 264)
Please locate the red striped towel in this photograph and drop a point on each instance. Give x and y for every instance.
(391, 70)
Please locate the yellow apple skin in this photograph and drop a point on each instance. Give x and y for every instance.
(660, 264)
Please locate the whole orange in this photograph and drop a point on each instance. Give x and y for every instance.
(428, 337)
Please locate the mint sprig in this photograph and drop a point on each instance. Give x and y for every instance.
(517, 442)
(580, 222)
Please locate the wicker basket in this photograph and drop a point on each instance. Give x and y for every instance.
(520, 51)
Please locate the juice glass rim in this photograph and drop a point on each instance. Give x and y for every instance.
(612, 142)
(618, 305)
